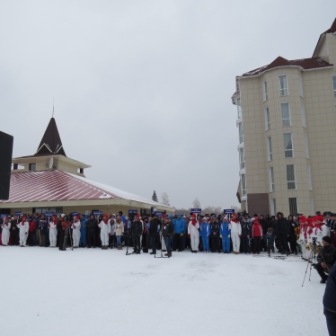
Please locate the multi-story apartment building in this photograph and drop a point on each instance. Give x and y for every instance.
(287, 133)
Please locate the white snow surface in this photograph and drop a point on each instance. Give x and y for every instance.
(93, 292)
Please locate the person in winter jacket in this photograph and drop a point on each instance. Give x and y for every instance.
(76, 225)
(214, 237)
(325, 259)
(23, 231)
(119, 231)
(91, 227)
(257, 234)
(180, 228)
(292, 233)
(225, 234)
(193, 228)
(282, 233)
(105, 228)
(205, 232)
(329, 302)
(137, 228)
(235, 233)
(168, 234)
(84, 220)
(6, 225)
(246, 234)
(53, 231)
(154, 226)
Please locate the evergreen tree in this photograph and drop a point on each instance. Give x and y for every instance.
(154, 197)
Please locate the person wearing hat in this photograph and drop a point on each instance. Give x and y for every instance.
(168, 234)
(23, 231)
(105, 229)
(325, 259)
(193, 231)
(76, 226)
(6, 225)
(53, 231)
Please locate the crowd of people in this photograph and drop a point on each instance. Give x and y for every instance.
(237, 233)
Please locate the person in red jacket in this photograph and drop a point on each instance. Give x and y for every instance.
(257, 234)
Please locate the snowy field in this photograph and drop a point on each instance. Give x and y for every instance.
(93, 292)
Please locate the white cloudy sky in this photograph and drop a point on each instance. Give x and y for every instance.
(142, 89)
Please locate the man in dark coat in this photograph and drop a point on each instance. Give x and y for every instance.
(325, 258)
(137, 228)
(214, 236)
(91, 228)
(282, 233)
(329, 302)
(154, 225)
(168, 234)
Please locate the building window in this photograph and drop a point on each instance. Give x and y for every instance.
(239, 110)
(334, 85)
(303, 115)
(269, 149)
(306, 146)
(267, 119)
(288, 145)
(271, 179)
(292, 206)
(264, 91)
(285, 115)
(273, 207)
(290, 176)
(32, 166)
(243, 185)
(283, 86)
(241, 158)
(241, 133)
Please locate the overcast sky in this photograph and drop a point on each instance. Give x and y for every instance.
(142, 89)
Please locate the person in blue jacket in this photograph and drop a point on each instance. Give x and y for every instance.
(180, 227)
(82, 241)
(205, 231)
(225, 234)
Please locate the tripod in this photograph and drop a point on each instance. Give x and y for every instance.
(310, 262)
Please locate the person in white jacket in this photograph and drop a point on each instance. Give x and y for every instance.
(105, 230)
(193, 231)
(235, 233)
(53, 231)
(6, 225)
(23, 231)
(76, 225)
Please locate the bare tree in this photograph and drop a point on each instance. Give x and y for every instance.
(165, 199)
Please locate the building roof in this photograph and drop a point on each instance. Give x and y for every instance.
(59, 186)
(304, 63)
(331, 30)
(51, 141)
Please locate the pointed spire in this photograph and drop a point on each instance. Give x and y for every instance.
(51, 141)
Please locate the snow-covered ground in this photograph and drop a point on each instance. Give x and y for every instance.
(93, 292)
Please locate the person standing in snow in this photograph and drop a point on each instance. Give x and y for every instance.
(154, 225)
(205, 233)
(225, 234)
(119, 231)
(23, 231)
(137, 228)
(215, 236)
(91, 227)
(105, 229)
(6, 225)
(53, 231)
(257, 234)
(235, 233)
(168, 234)
(76, 225)
(193, 231)
(329, 302)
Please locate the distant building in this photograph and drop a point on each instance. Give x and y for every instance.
(287, 133)
(50, 182)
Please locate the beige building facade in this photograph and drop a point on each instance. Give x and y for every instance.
(287, 133)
